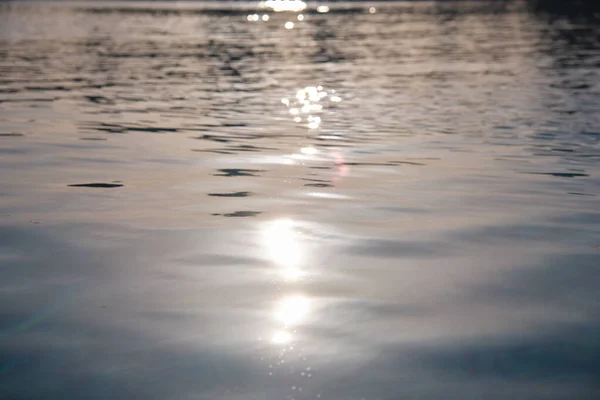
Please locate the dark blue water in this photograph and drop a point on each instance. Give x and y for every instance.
(375, 201)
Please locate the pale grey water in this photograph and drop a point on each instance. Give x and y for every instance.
(428, 228)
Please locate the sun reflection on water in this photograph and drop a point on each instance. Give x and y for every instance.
(282, 247)
(283, 5)
(281, 238)
(292, 310)
(281, 337)
(307, 103)
(309, 151)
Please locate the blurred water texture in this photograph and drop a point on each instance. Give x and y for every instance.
(342, 201)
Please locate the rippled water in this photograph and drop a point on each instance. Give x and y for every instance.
(223, 202)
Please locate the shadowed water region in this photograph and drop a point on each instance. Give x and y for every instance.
(347, 201)
(97, 185)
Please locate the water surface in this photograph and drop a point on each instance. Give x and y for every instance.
(224, 202)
